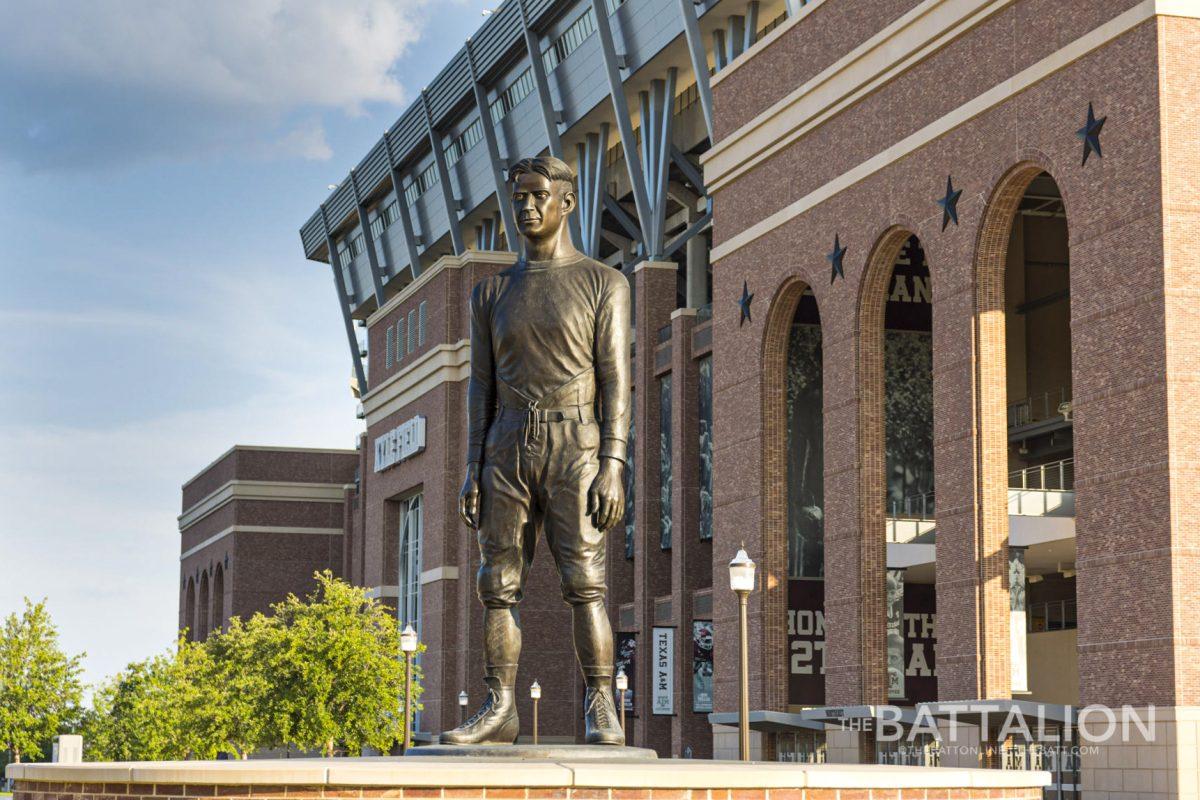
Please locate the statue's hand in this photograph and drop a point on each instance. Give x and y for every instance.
(468, 498)
(606, 497)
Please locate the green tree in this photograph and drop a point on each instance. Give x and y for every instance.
(227, 709)
(335, 670)
(136, 715)
(40, 687)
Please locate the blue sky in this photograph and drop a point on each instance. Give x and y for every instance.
(156, 162)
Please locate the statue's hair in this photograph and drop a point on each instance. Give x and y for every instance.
(551, 168)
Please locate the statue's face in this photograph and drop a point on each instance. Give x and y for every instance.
(541, 205)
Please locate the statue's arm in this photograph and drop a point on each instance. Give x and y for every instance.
(606, 497)
(612, 367)
(481, 404)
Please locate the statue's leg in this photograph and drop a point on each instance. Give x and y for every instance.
(579, 553)
(504, 550)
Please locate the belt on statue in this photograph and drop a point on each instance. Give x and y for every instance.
(534, 417)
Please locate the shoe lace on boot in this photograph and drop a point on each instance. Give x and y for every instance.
(599, 708)
(491, 702)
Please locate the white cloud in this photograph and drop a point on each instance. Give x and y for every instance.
(101, 82)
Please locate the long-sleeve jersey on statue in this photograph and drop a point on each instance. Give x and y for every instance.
(554, 333)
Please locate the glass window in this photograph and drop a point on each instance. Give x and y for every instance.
(412, 331)
(399, 338)
(387, 336)
(411, 534)
(421, 324)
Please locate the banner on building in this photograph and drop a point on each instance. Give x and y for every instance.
(920, 640)
(662, 685)
(626, 659)
(895, 633)
(702, 665)
(806, 642)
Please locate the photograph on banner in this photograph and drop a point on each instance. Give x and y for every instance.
(626, 659)
(702, 665)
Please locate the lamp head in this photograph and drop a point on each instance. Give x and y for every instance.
(741, 572)
(535, 691)
(462, 697)
(622, 680)
(408, 639)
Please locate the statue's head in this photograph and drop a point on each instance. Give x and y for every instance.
(543, 195)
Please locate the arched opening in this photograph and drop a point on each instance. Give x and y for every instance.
(202, 608)
(189, 610)
(217, 615)
(895, 362)
(1027, 465)
(794, 510)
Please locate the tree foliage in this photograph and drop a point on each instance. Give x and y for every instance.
(318, 674)
(40, 686)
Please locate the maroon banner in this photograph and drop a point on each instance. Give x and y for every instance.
(806, 642)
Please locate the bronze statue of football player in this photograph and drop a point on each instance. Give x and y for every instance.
(548, 407)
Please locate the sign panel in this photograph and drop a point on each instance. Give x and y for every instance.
(400, 443)
(662, 696)
(806, 642)
(702, 665)
(626, 659)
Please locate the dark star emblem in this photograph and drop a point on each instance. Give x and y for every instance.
(744, 303)
(949, 204)
(835, 260)
(1090, 134)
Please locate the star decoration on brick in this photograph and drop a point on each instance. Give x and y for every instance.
(744, 303)
(949, 204)
(1090, 134)
(835, 260)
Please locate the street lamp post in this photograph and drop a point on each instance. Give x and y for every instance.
(535, 692)
(622, 685)
(408, 645)
(462, 706)
(741, 581)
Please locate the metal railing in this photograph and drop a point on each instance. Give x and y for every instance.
(1057, 476)
(1041, 407)
(915, 506)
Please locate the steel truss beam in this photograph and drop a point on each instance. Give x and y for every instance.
(439, 157)
(344, 300)
(377, 275)
(622, 217)
(692, 230)
(591, 153)
(410, 239)
(691, 29)
(503, 199)
(616, 89)
(487, 233)
(657, 112)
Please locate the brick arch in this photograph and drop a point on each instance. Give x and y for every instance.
(776, 332)
(216, 617)
(872, 545)
(202, 602)
(189, 610)
(990, 409)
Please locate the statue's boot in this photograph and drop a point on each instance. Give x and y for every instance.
(494, 723)
(601, 723)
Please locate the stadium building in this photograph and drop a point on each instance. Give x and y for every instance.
(915, 287)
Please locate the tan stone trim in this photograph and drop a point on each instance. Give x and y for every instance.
(443, 263)
(1024, 79)
(765, 42)
(216, 537)
(443, 573)
(641, 265)
(261, 490)
(449, 771)
(265, 449)
(379, 592)
(897, 47)
(445, 363)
